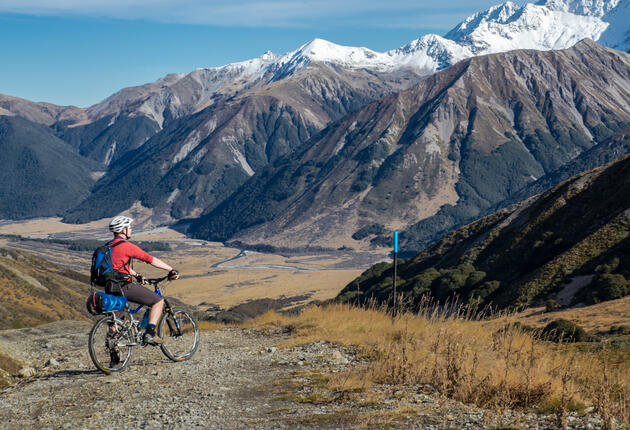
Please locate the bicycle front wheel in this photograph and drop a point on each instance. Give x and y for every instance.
(180, 334)
(110, 345)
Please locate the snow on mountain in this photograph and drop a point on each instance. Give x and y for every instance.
(507, 26)
(597, 8)
(546, 25)
(617, 35)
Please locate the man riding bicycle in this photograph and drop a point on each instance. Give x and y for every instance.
(123, 253)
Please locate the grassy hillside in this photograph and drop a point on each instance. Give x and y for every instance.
(33, 291)
(569, 245)
(492, 363)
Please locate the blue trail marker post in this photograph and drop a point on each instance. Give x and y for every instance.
(395, 270)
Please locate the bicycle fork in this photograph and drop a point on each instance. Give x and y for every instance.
(172, 319)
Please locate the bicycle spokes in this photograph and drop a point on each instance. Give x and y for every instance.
(182, 339)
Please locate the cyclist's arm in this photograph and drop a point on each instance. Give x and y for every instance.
(139, 254)
(160, 264)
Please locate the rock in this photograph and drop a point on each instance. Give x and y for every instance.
(26, 372)
(428, 389)
(51, 362)
(339, 358)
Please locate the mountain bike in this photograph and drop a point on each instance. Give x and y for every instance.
(113, 337)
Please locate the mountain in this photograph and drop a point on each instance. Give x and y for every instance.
(552, 24)
(436, 155)
(198, 160)
(221, 125)
(609, 150)
(42, 113)
(570, 244)
(41, 175)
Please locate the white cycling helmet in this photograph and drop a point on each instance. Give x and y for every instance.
(119, 223)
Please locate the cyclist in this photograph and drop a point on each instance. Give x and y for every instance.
(123, 254)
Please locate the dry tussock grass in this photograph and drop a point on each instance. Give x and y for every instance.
(484, 362)
(212, 326)
(594, 319)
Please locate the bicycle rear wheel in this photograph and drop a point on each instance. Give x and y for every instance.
(180, 334)
(110, 345)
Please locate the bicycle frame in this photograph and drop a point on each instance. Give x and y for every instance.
(136, 323)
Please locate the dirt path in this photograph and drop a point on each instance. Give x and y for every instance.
(223, 386)
(233, 382)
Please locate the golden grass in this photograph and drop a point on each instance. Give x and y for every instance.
(40, 227)
(594, 319)
(231, 287)
(478, 362)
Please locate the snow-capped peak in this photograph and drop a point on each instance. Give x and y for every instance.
(597, 8)
(323, 50)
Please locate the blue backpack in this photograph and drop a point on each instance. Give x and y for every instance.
(102, 271)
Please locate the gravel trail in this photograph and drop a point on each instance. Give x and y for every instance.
(222, 386)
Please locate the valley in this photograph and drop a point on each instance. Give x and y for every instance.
(213, 275)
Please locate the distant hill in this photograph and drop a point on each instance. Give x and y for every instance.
(41, 175)
(34, 291)
(570, 245)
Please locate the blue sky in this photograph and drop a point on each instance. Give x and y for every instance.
(77, 52)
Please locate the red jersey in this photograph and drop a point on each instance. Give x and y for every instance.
(121, 255)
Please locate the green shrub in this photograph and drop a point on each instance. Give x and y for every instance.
(610, 267)
(620, 329)
(609, 287)
(421, 284)
(369, 230)
(551, 305)
(562, 330)
(486, 289)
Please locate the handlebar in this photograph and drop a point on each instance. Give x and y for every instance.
(155, 281)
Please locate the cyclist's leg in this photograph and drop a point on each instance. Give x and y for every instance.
(137, 293)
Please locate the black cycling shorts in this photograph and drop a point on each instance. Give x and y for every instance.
(134, 292)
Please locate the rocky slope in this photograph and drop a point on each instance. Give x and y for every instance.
(570, 244)
(435, 155)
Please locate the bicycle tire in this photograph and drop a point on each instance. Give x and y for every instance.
(101, 343)
(180, 341)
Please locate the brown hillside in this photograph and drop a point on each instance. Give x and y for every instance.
(33, 291)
